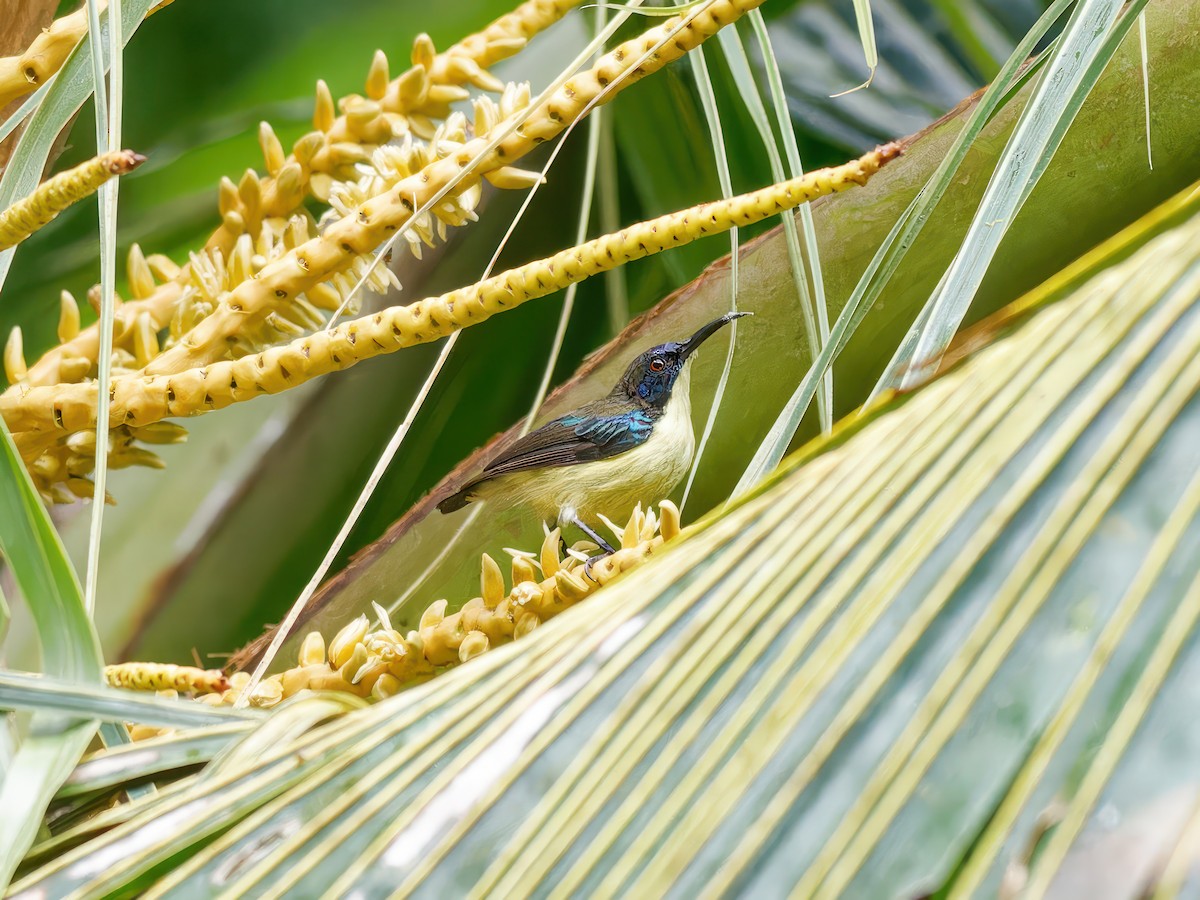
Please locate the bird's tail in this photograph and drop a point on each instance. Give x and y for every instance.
(457, 501)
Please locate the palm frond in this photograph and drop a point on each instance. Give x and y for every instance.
(870, 676)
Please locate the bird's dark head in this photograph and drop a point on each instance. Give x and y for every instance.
(650, 378)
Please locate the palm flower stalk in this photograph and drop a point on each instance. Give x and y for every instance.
(38, 414)
(391, 110)
(379, 662)
(55, 194)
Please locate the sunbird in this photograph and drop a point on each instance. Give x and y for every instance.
(600, 459)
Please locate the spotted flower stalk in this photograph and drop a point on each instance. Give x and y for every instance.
(140, 400)
(377, 662)
(55, 194)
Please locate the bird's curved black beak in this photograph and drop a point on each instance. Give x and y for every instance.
(689, 346)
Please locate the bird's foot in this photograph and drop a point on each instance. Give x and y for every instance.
(592, 560)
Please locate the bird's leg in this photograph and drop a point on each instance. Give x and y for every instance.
(601, 542)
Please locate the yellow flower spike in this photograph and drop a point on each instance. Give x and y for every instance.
(307, 147)
(160, 433)
(241, 259)
(617, 530)
(332, 681)
(74, 368)
(299, 678)
(377, 76)
(570, 586)
(341, 648)
(368, 673)
(526, 622)
(145, 340)
(355, 660)
(143, 732)
(324, 113)
(526, 20)
(467, 71)
(250, 195)
(365, 120)
(83, 442)
(513, 179)
(491, 581)
(498, 626)
(441, 645)
(347, 153)
(312, 649)
(549, 554)
(473, 644)
(134, 456)
(146, 398)
(507, 46)
(472, 614)
(123, 360)
(668, 520)
(423, 51)
(272, 149)
(633, 529)
(233, 222)
(527, 594)
(433, 615)
(408, 91)
(290, 185)
(486, 115)
(57, 494)
(68, 317)
(46, 467)
(442, 95)
(143, 676)
(323, 296)
(350, 237)
(55, 194)
(14, 357)
(385, 686)
(649, 526)
(268, 693)
(523, 570)
(379, 662)
(138, 274)
(78, 466)
(162, 267)
(228, 199)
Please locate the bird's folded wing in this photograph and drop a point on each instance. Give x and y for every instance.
(576, 438)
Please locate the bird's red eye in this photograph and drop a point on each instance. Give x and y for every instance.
(657, 365)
